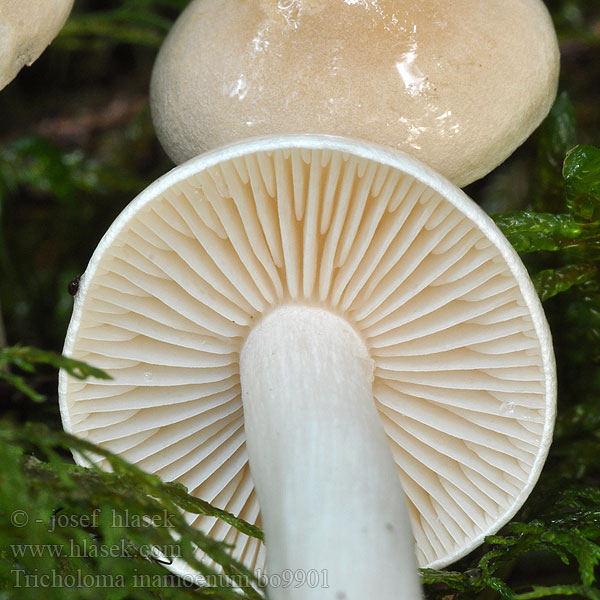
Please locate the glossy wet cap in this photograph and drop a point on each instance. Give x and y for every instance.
(458, 85)
(27, 27)
(464, 376)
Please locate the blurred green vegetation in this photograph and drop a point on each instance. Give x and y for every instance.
(76, 145)
(88, 530)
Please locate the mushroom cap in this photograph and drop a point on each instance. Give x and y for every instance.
(458, 85)
(464, 370)
(27, 27)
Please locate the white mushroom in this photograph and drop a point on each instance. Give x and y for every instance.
(27, 27)
(382, 329)
(458, 85)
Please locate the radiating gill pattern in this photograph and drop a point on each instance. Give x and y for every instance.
(459, 370)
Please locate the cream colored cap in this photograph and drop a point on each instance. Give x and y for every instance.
(27, 27)
(457, 84)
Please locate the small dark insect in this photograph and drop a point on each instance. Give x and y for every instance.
(74, 285)
(158, 561)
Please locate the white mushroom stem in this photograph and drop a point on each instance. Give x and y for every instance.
(331, 501)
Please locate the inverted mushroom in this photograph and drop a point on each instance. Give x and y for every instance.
(381, 328)
(27, 27)
(458, 85)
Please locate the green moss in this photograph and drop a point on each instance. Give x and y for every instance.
(59, 522)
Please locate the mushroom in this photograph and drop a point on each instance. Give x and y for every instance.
(304, 323)
(458, 85)
(27, 27)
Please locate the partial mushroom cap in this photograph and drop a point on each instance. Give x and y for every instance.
(458, 85)
(464, 376)
(27, 27)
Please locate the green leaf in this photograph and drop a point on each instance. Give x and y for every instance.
(557, 136)
(529, 231)
(551, 282)
(20, 384)
(581, 171)
(201, 507)
(26, 358)
(136, 22)
(559, 130)
(109, 27)
(556, 591)
(586, 552)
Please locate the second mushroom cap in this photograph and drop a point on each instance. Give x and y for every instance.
(458, 85)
